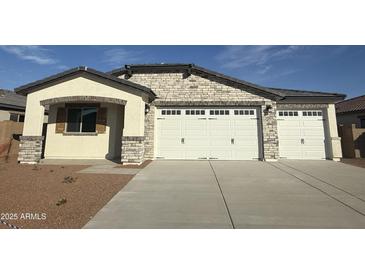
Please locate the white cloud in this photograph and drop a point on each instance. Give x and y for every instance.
(259, 57)
(121, 56)
(36, 54)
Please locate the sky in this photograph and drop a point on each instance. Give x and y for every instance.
(319, 68)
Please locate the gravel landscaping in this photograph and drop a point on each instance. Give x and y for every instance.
(53, 196)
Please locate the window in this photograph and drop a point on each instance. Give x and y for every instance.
(312, 113)
(170, 112)
(289, 113)
(244, 112)
(362, 122)
(16, 117)
(81, 119)
(194, 112)
(219, 112)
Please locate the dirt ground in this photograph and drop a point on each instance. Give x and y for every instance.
(360, 162)
(29, 194)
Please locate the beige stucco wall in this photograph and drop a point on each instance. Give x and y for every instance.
(4, 115)
(81, 86)
(101, 146)
(333, 141)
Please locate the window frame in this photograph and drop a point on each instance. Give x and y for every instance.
(81, 107)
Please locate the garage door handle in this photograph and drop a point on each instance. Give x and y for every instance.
(183, 140)
(232, 141)
(302, 141)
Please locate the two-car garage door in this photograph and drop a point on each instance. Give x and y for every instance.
(207, 133)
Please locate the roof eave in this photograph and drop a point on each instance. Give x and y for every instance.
(28, 88)
(331, 99)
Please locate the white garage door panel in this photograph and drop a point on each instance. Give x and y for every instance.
(301, 136)
(203, 134)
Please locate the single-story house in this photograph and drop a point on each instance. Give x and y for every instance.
(174, 111)
(12, 106)
(351, 124)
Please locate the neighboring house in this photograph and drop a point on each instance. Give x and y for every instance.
(351, 122)
(12, 106)
(351, 111)
(174, 111)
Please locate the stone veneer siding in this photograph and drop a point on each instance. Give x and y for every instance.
(149, 125)
(270, 132)
(174, 89)
(132, 149)
(301, 106)
(30, 149)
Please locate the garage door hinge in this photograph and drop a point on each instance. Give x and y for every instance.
(212, 158)
(160, 157)
(202, 158)
(160, 118)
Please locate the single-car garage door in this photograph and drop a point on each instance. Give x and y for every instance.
(301, 134)
(207, 133)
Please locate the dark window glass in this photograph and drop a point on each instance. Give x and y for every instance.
(216, 112)
(304, 113)
(280, 113)
(362, 122)
(178, 112)
(226, 112)
(88, 120)
(173, 112)
(309, 113)
(13, 117)
(295, 113)
(314, 113)
(246, 112)
(252, 112)
(73, 120)
(187, 112)
(241, 112)
(202, 112)
(221, 112)
(290, 113)
(192, 112)
(236, 112)
(163, 112)
(21, 118)
(319, 113)
(285, 113)
(81, 120)
(197, 112)
(168, 112)
(211, 112)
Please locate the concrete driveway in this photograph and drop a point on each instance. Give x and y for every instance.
(239, 194)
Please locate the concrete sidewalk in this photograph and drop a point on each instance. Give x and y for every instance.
(239, 194)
